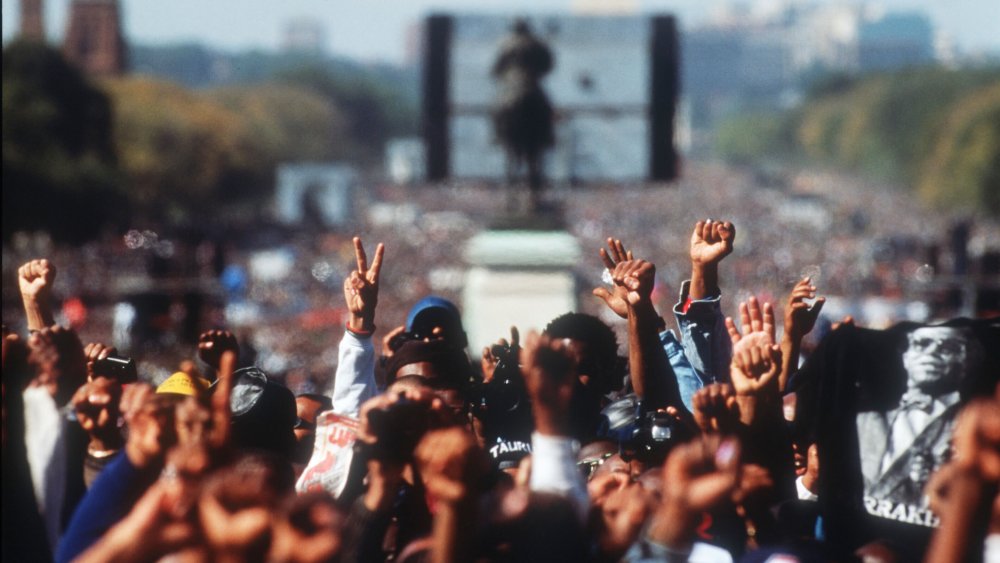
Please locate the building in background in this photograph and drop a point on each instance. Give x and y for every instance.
(305, 35)
(32, 20)
(762, 56)
(94, 40)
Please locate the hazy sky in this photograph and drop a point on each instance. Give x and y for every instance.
(376, 29)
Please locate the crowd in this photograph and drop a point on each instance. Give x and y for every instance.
(717, 441)
(878, 256)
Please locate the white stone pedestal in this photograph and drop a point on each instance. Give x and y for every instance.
(520, 278)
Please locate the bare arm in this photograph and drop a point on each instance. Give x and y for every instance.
(652, 377)
(799, 320)
(711, 241)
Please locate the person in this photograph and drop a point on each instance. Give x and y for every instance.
(901, 447)
(308, 406)
(523, 116)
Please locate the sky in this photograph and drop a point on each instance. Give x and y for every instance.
(376, 30)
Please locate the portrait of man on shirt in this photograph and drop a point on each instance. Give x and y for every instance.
(902, 446)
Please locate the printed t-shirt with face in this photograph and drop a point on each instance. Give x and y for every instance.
(881, 406)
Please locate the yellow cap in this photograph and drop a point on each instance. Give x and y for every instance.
(183, 384)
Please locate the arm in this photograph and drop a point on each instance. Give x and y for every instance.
(550, 376)
(756, 364)
(650, 353)
(799, 320)
(652, 377)
(125, 479)
(450, 465)
(354, 382)
(698, 314)
(697, 477)
(35, 279)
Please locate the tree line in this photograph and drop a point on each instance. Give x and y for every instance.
(81, 155)
(933, 130)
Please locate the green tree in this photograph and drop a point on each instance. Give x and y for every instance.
(181, 153)
(59, 166)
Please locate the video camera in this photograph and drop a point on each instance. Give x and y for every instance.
(502, 404)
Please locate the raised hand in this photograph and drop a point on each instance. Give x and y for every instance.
(96, 351)
(711, 241)
(697, 476)
(34, 279)
(755, 368)
(616, 297)
(361, 289)
(638, 278)
(716, 409)
(56, 354)
(800, 317)
(150, 420)
(491, 358)
(97, 408)
(757, 324)
(213, 343)
(450, 464)
(549, 375)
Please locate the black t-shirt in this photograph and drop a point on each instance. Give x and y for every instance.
(881, 406)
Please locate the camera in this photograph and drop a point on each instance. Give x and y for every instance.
(502, 404)
(653, 436)
(397, 429)
(113, 367)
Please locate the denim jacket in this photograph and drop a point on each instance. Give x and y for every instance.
(703, 354)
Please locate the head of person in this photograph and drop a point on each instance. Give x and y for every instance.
(263, 413)
(937, 358)
(307, 409)
(433, 365)
(595, 349)
(436, 318)
(599, 371)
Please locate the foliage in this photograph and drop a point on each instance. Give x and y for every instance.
(186, 151)
(746, 139)
(59, 167)
(374, 111)
(177, 149)
(936, 130)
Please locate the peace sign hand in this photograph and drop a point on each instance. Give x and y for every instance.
(361, 289)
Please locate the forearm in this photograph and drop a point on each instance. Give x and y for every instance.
(960, 526)
(673, 526)
(38, 312)
(704, 280)
(451, 545)
(790, 350)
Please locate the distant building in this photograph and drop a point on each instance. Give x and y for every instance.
(319, 193)
(94, 40)
(305, 35)
(759, 56)
(33, 20)
(895, 40)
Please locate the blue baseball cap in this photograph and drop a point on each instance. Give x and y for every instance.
(433, 311)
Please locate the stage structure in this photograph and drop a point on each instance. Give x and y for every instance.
(614, 87)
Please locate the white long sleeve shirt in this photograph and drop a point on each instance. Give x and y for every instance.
(354, 382)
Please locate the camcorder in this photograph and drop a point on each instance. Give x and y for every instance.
(502, 404)
(653, 436)
(397, 429)
(113, 367)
